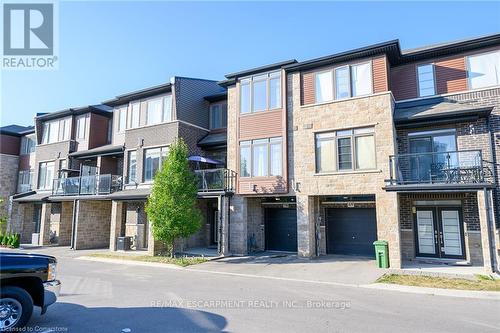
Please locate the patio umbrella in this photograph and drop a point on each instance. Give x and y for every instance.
(197, 158)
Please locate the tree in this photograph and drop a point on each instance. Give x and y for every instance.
(171, 207)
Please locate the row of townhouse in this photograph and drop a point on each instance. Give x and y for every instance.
(317, 157)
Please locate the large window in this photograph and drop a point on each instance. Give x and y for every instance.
(260, 92)
(81, 127)
(218, 116)
(153, 159)
(484, 70)
(132, 167)
(343, 82)
(352, 149)
(27, 145)
(25, 181)
(153, 111)
(426, 86)
(261, 158)
(56, 130)
(134, 115)
(46, 175)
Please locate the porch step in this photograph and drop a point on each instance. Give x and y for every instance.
(446, 262)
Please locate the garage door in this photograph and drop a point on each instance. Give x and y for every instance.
(281, 229)
(351, 231)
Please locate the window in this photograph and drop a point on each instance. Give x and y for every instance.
(46, 175)
(27, 145)
(167, 108)
(122, 120)
(132, 167)
(81, 127)
(65, 129)
(342, 84)
(153, 159)
(361, 78)
(324, 86)
(54, 131)
(426, 80)
(261, 158)
(325, 152)
(134, 115)
(153, 112)
(260, 92)
(25, 181)
(484, 70)
(245, 158)
(218, 116)
(343, 150)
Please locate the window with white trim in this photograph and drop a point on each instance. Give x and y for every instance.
(483, 70)
(25, 181)
(352, 149)
(132, 167)
(261, 157)
(27, 145)
(134, 114)
(426, 85)
(153, 160)
(81, 127)
(122, 119)
(260, 92)
(56, 130)
(46, 173)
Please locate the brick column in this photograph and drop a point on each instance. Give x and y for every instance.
(45, 224)
(238, 228)
(388, 229)
(483, 223)
(305, 226)
(116, 223)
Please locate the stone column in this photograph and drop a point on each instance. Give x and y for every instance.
(223, 207)
(388, 229)
(116, 223)
(238, 228)
(45, 224)
(306, 242)
(483, 223)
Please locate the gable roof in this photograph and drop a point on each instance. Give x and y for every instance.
(17, 130)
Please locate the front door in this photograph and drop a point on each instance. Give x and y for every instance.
(439, 232)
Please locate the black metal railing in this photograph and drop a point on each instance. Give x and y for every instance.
(211, 180)
(87, 185)
(452, 167)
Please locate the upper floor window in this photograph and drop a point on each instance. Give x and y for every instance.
(134, 115)
(484, 70)
(56, 130)
(27, 145)
(343, 82)
(167, 108)
(153, 159)
(261, 158)
(425, 74)
(218, 116)
(46, 175)
(81, 127)
(25, 181)
(132, 167)
(260, 92)
(153, 111)
(352, 149)
(122, 119)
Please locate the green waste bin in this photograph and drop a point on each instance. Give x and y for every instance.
(382, 253)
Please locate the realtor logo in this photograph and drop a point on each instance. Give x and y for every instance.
(28, 29)
(29, 35)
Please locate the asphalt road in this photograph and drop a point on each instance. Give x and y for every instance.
(104, 297)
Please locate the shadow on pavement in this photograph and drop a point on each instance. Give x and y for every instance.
(68, 317)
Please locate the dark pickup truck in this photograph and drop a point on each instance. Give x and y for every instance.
(26, 280)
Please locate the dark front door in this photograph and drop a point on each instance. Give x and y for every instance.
(213, 215)
(439, 232)
(351, 231)
(281, 229)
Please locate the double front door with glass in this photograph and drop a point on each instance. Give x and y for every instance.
(439, 232)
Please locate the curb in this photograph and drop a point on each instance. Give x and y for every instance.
(489, 295)
(130, 262)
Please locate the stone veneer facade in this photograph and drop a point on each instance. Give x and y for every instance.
(8, 180)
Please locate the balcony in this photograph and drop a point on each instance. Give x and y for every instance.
(87, 185)
(215, 180)
(464, 168)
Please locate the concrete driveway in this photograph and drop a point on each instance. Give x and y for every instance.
(350, 270)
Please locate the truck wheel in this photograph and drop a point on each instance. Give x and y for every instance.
(16, 307)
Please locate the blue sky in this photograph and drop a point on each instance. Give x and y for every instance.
(110, 48)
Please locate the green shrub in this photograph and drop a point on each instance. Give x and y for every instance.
(10, 240)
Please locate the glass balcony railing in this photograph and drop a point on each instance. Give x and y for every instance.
(211, 180)
(453, 167)
(87, 185)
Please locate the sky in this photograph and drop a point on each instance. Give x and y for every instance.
(111, 48)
